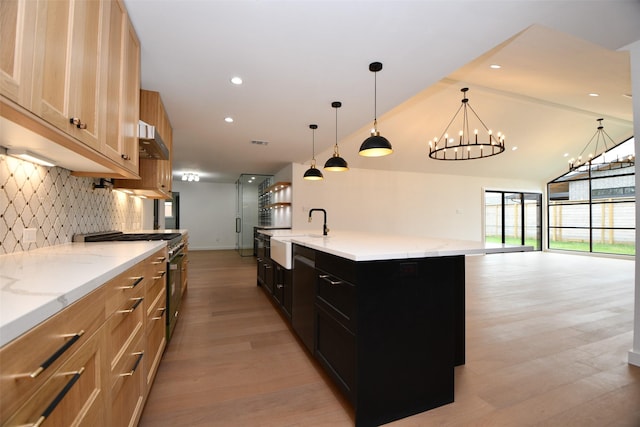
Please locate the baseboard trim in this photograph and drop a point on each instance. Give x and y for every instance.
(634, 358)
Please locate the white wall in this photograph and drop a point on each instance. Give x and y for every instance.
(398, 202)
(208, 211)
(634, 354)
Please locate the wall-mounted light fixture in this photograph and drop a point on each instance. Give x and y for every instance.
(23, 154)
(190, 177)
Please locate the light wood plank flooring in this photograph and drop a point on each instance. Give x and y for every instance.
(547, 342)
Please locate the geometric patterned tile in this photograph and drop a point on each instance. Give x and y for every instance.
(58, 205)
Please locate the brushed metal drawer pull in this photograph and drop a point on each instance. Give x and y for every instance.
(136, 282)
(161, 275)
(161, 310)
(56, 400)
(135, 365)
(327, 278)
(133, 307)
(160, 260)
(279, 286)
(58, 353)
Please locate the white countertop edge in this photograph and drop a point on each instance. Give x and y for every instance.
(12, 329)
(347, 246)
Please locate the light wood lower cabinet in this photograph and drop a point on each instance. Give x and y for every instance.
(92, 363)
(74, 395)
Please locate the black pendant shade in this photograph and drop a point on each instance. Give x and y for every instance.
(375, 145)
(313, 173)
(335, 162)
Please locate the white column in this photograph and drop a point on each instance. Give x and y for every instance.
(634, 48)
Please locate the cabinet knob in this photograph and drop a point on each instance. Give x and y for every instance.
(76, 121)
(125, 156)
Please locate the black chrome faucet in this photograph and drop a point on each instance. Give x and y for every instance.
(325, 230)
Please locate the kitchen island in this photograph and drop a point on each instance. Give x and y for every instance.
(383, 315)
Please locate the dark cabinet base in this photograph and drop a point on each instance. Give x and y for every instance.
(389, 333)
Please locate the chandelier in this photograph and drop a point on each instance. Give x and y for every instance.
(466, 147)
(598, 156)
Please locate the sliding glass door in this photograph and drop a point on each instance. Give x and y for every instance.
(513, 218)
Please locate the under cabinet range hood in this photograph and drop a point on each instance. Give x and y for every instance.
(151, 144)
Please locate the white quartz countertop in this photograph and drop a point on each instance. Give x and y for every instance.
(36, 284)
(365, 246)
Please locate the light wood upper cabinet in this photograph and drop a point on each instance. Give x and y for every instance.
(156, 174)
(70, 72)
(17, 32)
(67, 67)
(122, 90)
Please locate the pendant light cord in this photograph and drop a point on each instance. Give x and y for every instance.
(375, 99)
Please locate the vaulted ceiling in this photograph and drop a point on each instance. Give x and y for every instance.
(296, 57)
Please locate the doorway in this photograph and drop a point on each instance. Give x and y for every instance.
(172, 211)
(513, 218)
(247, 212)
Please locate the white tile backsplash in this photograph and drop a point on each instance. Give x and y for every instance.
(58, 205)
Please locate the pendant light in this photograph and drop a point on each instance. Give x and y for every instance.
(375, 145)
(335, 162)
(313, 174)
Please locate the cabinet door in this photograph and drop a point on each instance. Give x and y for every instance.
(130, 97)
(336, 350)
(122, 86)
(17, 32)
(67, 66)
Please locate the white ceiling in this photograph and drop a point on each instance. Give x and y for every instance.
(296, 57)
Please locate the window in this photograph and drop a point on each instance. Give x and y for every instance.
(513, 218)
(592, 209)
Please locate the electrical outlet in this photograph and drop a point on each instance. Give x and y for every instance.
(28, 235)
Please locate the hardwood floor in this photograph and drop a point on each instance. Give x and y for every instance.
(547, 342)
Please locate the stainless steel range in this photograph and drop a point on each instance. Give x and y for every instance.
(175, 246)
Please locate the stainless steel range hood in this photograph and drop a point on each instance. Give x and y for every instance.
(151, 144)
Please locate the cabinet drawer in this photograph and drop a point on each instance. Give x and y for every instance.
(28, 361)
(123, 327)
(127, 384)
(155, 337)
(125, 286)
(339, 296)
(73, 395)
(337, 266)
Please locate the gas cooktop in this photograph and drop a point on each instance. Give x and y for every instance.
(113, 236)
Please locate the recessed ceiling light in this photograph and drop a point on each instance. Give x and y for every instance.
(514, 148)
(228, 119)
(236, 80)
(594, 94)
(565, 155)
(495, 66)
